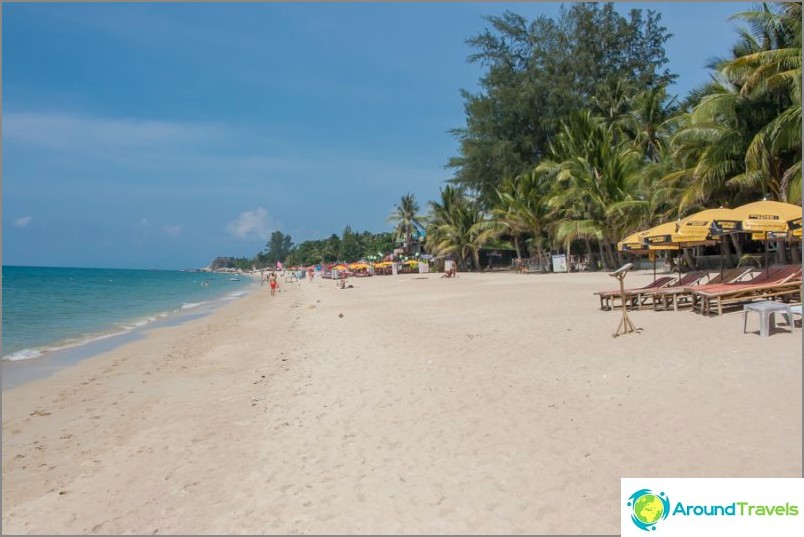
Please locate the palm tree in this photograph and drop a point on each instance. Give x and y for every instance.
(530, 211)
(458, 226)
(743, 139)
(592, 170)
(773, 74)
(407, 221)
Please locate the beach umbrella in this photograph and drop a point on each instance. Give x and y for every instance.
(634, 243)
(702, 221)
(668, 236)
(760, 219)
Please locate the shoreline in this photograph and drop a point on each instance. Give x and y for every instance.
(44, 360)
(483, 404)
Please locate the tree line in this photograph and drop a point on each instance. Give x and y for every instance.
(574, 138)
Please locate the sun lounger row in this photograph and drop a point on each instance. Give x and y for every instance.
(776, 282)
(681, 295)
(634, 297)
(707, 293)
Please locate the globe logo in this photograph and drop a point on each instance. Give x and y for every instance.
(648, 508)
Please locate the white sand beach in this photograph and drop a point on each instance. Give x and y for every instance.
(491, 403)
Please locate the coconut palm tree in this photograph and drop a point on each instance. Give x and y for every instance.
(743, 139)
(521, 210)
(773, 74)
(407, 220)
(457, 226)
(592, 169)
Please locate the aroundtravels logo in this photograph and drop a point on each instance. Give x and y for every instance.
(648, 508)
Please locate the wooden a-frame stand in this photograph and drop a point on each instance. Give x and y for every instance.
(625, 325)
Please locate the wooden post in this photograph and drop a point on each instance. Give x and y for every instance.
(625, 325)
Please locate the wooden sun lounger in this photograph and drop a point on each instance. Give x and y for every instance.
(681, 294)
(777, 282)
(635, 297)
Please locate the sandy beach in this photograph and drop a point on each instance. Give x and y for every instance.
(491, 403)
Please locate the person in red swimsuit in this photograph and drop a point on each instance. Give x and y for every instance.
(273, 284)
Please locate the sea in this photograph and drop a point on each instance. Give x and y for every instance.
(55, 316)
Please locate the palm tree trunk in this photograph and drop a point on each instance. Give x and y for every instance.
(516, 246)
(795, 253)
(590, 257)
(738, 247)
(725, 254)
(781, 253)
(689, 258)
(602, 256)
(610, 261)
(569, 255)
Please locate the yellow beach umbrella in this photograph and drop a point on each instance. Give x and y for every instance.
(761, 217)
(358, 266)
(632, 243)
(668, 236)
(707, 221)
(767, 219)
(701, 222)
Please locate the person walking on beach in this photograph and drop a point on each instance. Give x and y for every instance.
(273, 283)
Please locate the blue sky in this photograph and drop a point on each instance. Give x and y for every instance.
(164, 135)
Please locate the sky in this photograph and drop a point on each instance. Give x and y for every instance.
(150, 135)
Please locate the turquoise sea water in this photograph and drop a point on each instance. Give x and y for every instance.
(46, 309)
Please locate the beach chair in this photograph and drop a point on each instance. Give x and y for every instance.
(777, 282)
(633, 296)
(681, 294)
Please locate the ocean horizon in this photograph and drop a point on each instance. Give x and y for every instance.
(48, 309)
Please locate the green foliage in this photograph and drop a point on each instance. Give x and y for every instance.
(407, 220)
(277, 249)
(350, 246)
(539, 72)
(457, 226)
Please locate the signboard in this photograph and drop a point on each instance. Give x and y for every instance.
(722, 227)
(560, 263)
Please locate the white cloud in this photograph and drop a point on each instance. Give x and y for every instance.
(22, 221)
(172, 230)
(250, 225)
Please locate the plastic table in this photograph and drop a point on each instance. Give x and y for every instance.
(766, 309)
